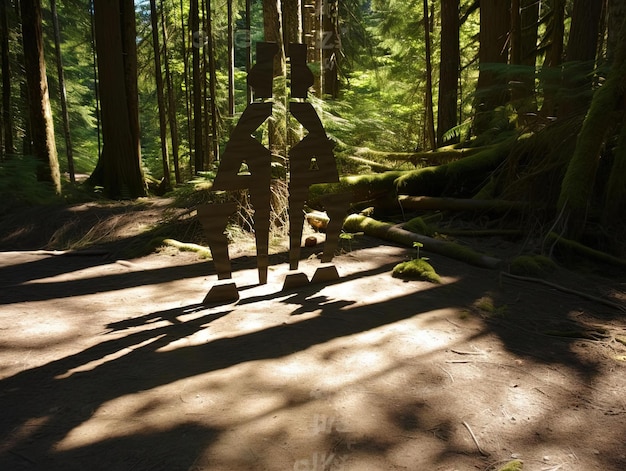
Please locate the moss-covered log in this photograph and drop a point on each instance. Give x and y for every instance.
(463, 176)
(393, 233)
(362, 187)
(427, 203)
(436, 157)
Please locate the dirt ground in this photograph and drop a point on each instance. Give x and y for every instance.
(111, 364)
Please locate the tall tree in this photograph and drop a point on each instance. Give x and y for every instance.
(448, 69)
(197, 43)
(555, 31)
(580, 58)
(491, 89)
(330, 48)
(430, 117)
(7, 116)
(158, 75)
(210, 50)
(118, 170)
(62, 91)
(171, 100)
(523, 47)
(42, 128)
(231, 58)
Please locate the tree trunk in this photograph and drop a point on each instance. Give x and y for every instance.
(248, 47)
(7, 116)
(549, 77)
(171, 99)
(213, 109)
(272, 25)
(62, 92)
(606, 108)
(119, 168)
(330, 48)
(448, 69)
(42, 128)
(430, 116)
(617, 15)
(491, 87)
(615, 201)
(197, 43)
(523, 45)
(158, 75)
(95, 76)
(231, 58)
(580, 56)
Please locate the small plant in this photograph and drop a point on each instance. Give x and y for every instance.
(418, 246)
(347, 236)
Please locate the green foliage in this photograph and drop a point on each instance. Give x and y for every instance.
(19, 186)
(417, 269)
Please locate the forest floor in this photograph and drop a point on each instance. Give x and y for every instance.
(110, 363)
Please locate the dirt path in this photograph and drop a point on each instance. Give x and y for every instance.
(116, 365)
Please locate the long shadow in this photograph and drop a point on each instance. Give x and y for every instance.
(80, 287)
(43, 391)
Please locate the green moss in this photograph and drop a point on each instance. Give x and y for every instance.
(203, 252)
(418, 269)
(419, 226)
(515, 465)
(532, 265)
(488, 307)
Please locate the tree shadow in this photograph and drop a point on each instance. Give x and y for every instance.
(134, 362)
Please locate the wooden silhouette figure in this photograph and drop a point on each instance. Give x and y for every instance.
(246, 164)
(244, 150)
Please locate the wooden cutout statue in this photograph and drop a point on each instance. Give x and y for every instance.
(311, 161)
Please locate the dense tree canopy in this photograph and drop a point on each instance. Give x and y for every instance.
(154, 96)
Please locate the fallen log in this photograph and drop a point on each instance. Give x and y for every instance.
(427, 203)
(394, 233)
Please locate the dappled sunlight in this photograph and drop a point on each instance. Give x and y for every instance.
(366, 372)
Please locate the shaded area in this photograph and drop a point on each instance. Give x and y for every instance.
(270, 349)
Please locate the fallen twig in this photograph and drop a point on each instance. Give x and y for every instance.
(480, 450)
(463, 352)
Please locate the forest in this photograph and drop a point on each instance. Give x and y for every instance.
(511, 109)
(430, 276)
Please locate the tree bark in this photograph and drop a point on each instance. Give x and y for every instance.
(448, 69)
(330, 48)
(42, 128)
(549, 76)
(62, 92)
(118, 170)
(213, 109)
(430, 116)
(491, 87)
(582, 45)
(171, 100)
(231, 58)
(606, 107)
(196, 43)
(158, 75)
(7, 116)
